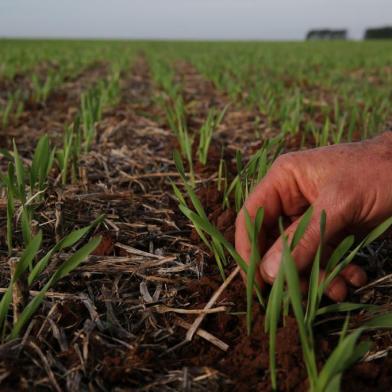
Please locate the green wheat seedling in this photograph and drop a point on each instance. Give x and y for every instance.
(325, 132)
(321, 136)
(19, 198)
(10, 190)
(251, 174)
(172, 102)
(176, 118)
(106, 93)
(24, 266)
(112, 89)
(163, 75)
(26, 185)
(222, 181)
(17, 186)
(212, 122)
(68, 157)
(41, 165)
(353, 122)
(13, 108)
(291, 113)
(215, 247)
(338, 132)
(307, 317)
(42, 89)
(64, 155)
(6, 112)
(253, 229)
(90, 114)
(109, 89)
(215, 240)
(347, 351)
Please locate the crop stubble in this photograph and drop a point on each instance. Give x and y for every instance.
(104, 326)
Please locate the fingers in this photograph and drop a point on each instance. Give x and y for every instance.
(279, 195)
(337, 289)
(305, 251)
(272, 205)
(354, 275)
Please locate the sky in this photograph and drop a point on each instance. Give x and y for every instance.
(188, 19)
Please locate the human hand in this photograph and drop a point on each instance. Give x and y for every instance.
(352, 182)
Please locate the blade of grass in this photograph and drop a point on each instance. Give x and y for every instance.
(215, 233)
(344, 307)
(313, 297)
(73, 262)
(25, 260)
(10, 218)
(20, 174)
(294, 291)
(381, 321)
(344, 354)
(65, 243)
(253, 232)
(338, 253)
(373, 235)
(272, 317)
(301, 228)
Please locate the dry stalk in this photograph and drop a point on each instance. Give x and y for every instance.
(58, 223)
(205, 335)
(20, 290)
(168, 309)
(192, 330)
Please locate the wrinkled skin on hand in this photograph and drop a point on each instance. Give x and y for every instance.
(352, 182)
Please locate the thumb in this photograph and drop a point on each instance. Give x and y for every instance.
(306, 249)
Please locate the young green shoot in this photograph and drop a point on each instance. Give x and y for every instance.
(253, 229)
(218, 243)
(348, 350)
(212, 122)
(25, 262)
(176, 117)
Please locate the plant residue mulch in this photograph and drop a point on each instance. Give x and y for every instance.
(119, 321)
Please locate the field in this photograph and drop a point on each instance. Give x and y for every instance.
(122, 168)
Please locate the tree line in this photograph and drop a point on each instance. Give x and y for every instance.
(330, 34)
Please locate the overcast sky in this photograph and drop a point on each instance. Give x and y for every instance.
(187, 19)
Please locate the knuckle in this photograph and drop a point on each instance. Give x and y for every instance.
(341, 200)
(285, 161)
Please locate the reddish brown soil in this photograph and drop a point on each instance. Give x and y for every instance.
(104, 330)
(59, 109)
(247, 361)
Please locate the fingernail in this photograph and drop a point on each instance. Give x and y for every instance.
(337, 292)
(270, 265)
(358, 278)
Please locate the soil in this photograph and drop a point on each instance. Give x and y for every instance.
(102, 329)
(59, 109)
(248, 360)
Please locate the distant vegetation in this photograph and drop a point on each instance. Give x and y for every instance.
(379, 33)
(326, 34)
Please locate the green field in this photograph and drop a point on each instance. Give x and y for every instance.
(123, 165)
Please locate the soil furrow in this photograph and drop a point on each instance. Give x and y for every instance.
(58, 111)
(114, 321)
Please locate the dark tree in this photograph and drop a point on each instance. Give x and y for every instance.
(326, 34)
(379, 33)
